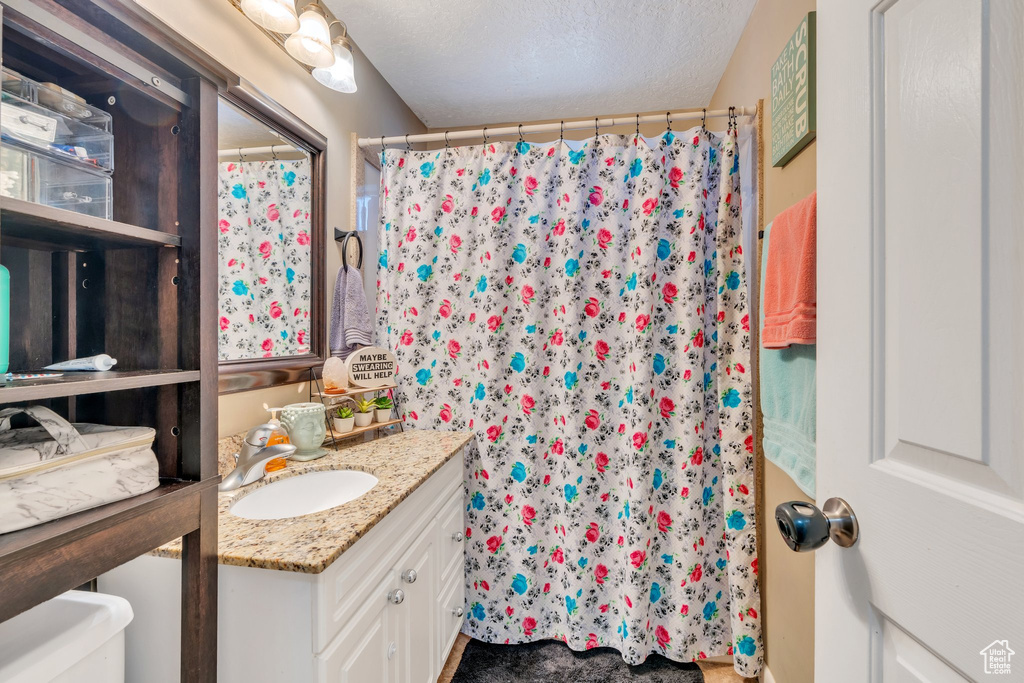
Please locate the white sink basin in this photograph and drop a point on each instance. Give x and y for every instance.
(304, 494)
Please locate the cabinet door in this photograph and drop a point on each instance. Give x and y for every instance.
(451, 538)
(365, 651)
(451, 585)
(450, 615)
(413, 626)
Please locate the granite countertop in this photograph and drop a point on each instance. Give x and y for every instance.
(309, 544)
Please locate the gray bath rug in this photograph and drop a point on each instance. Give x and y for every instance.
(552, 661)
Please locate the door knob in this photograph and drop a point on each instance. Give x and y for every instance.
(396, 597)
(457, 537)
(804, 527)
(409, 576)
(458, 611)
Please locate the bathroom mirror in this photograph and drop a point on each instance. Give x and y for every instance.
(270, 236)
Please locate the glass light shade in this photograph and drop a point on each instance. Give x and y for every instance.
(273, 15)
(341, 75)
(311, 44)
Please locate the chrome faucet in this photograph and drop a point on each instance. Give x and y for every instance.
(250, 463)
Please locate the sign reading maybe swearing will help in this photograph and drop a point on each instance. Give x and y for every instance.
(793, 94)
(371, 367)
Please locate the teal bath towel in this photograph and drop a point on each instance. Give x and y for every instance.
(788, 392)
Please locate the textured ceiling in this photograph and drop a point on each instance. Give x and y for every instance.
(466, 62)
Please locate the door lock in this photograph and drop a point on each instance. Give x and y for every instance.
(804, 527)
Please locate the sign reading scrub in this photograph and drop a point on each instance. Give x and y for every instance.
(793, 94)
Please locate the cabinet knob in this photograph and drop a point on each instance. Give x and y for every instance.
(458, 537)
(409, 576)
(458, 611)
(396, 597)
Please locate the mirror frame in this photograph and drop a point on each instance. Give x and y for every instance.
(245, 374)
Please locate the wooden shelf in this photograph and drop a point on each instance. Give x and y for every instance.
(353, 391)
(79, 383)
(359, 430)
(70, 551)
(36, 226)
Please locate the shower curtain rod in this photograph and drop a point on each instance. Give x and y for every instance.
(575, 124)
(253, 151)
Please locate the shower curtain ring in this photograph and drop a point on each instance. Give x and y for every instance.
(273, 154)
(447, 142)
(668, 121)
(521, 133)
(241, 158)
(561, 132)
(704, 120)
(597, 131)
(407, 145)
(637, 126)
(485, 135)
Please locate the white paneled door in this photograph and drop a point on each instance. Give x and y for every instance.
(921, 339)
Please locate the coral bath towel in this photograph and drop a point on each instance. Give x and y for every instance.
(790, 298)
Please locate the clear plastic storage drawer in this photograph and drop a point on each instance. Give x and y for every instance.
(58, 99)
(29, 175)
(56, 134)
(18, 85)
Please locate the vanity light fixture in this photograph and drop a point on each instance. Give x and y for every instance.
(311, 44)
(339, 76)
(273, 15)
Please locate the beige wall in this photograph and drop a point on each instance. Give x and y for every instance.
(787, 577)
(223, 32)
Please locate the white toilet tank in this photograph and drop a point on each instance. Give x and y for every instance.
(77, 637)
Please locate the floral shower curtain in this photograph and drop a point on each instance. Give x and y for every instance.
(585, 312)
(264, 253)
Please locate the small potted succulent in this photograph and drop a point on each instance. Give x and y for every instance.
(384, 406)
(344, 419)
(364, 412)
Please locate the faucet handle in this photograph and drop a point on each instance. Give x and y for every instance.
(260, 434)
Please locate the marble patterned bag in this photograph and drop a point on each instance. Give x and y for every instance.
(58, 468)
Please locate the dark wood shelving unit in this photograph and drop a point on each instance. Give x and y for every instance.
(37, 226)
(141, 287)
(82, 383)
(80, 547)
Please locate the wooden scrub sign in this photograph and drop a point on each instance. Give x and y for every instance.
(371, 367)
(793, 97)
